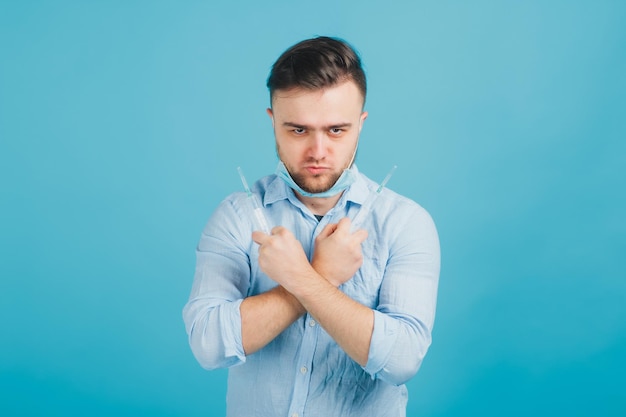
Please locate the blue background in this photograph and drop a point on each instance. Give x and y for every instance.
(121, 127)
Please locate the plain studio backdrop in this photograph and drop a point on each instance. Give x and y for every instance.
(121, 127)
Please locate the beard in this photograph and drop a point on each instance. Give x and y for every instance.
(316, 184)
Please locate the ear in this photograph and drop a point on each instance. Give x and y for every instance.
(361, 120)
(270, 114)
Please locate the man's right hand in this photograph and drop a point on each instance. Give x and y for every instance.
(337, 255)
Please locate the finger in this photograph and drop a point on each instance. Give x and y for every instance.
(259, 237)
(278, 230)
(360, 235)
(327, 230)
(344, 225)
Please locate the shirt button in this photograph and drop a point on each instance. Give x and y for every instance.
(294, 415)
(303, 370)
(312, 323)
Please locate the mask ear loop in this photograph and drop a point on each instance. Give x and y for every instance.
(277, 154)
(356, 147)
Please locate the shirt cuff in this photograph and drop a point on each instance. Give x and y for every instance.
(233, 345)
(384, 337)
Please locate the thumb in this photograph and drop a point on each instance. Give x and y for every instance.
(328, 230)
(259, 237)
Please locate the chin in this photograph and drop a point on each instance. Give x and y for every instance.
(316, 187)
(315, 190)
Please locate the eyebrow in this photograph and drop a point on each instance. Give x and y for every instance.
(335, 126)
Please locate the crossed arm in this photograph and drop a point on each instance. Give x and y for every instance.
(311, 287)
(224, 326)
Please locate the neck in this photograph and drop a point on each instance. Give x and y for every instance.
(319, 206)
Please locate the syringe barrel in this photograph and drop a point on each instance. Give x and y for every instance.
(365, 209)
(257, 215)
(261, 221)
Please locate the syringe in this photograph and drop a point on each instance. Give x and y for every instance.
(369, 201)
(257, 211)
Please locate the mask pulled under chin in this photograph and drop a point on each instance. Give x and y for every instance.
(347, 178)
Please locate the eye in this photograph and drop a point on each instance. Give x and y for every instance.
(336, 131)
(299, 131)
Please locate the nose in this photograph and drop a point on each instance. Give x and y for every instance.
(317, 146)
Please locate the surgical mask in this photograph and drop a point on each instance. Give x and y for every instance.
(347, 178)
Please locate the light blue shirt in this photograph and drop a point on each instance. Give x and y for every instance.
(303, 372)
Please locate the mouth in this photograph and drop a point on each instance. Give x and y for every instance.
(316, 170)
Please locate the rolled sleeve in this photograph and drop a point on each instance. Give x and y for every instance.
(404, 317)
(384, 337)
(212, 314)
(215, 335)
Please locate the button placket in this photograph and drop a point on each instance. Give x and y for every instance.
(303, 376)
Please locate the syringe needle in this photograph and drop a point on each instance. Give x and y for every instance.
(382, 184)
(257, 212)
(369, 201)
(244, 182)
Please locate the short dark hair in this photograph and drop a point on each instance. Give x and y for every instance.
(317, 63)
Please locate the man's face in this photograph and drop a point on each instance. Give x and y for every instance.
(317, 132)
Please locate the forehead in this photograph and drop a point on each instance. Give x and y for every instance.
(345, 94)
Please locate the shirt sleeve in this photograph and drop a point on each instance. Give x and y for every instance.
(221, 281)
(404, 317)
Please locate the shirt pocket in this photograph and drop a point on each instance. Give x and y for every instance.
(365, 284)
